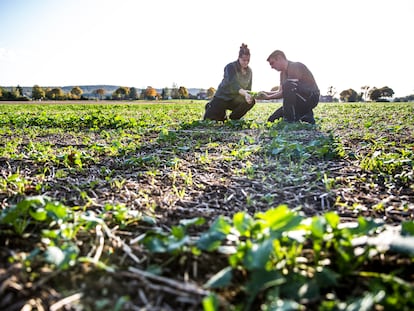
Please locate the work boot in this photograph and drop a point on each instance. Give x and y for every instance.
(308, 118)
(276, 115)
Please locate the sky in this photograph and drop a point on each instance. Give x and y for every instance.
(162, 43)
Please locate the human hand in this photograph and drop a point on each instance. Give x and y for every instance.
(248, 98)
(262, 95)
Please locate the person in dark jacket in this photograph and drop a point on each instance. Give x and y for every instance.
(233, 92)
(298, 89)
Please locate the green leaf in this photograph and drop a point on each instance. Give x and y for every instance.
(407, 228)
(280, 219)
(300, 287)
(220, 279)
(174, 245)
(39, 214)
(121, 302)
(309, 290)
(221, 225)
(327, 277)
(262, 279)
(35, 201)
(365, 303)
(192, 221)
(242, 223)
(58, 210)
(10, 215)
(178, 232)
(210, 240)
(210, 303)
(149, 220)
(365, 227)
(403, 244)
(258, 255)
(318, 227)
(13, 213)
(333, 219)
(155, 244)
(19, 215)
(50, 234)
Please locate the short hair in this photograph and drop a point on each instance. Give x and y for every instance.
(244, 50)
(275, 54)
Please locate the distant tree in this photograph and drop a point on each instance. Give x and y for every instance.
(4, 94)
(100, 93)
(365, 92)
(381, 94)
(55, 94)
(210, 92)
(182, 92)
(121, 93)
(174, 91)
(76, 92)
(38, 93)
(331, 91)
(19, 91)
(14, 94)
(150, 93)
(133, 93)
(9, 95)
(166, 93)
(349, 95)
(374, 94)
(387, 92)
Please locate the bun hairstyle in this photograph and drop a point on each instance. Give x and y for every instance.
(244, 50)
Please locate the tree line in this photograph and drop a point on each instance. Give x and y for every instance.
(373, 94)
(383, 94)
(121, 93)
(131, 93)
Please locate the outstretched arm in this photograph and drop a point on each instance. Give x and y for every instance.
(271, 94)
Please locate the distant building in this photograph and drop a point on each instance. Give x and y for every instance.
(326, 99)
(202, 95)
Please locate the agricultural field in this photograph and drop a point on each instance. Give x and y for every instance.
(143, 206)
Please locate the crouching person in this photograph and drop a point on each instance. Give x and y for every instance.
(298, 89)
(233, 92)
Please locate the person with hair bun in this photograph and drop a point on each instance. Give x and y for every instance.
(233, 92)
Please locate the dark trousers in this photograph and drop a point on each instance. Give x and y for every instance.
(298, 103)
(216, 109)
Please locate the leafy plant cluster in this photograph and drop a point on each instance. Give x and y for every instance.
(379, 147)
(244, 214)
(277, 259)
